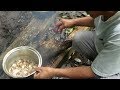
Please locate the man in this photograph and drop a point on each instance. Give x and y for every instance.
(102, 46)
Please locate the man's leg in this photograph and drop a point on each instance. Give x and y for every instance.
(83, 42)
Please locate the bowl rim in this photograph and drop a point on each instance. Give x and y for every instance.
(16, 49)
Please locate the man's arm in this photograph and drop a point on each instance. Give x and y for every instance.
(73, 72)
(67, 23)
(85, 21)
(76, 72)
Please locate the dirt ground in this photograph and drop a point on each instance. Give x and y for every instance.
(11, 24)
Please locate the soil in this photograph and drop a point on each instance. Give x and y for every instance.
(11, 24)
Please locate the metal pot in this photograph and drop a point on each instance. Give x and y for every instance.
(24, 52)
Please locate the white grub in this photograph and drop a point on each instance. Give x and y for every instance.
(14, 65)
(22, 67)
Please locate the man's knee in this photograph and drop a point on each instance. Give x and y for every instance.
(79, 37)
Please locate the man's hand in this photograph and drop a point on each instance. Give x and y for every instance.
(64, 23)
(44, 73)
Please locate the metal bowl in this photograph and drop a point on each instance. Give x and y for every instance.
(24, 52)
